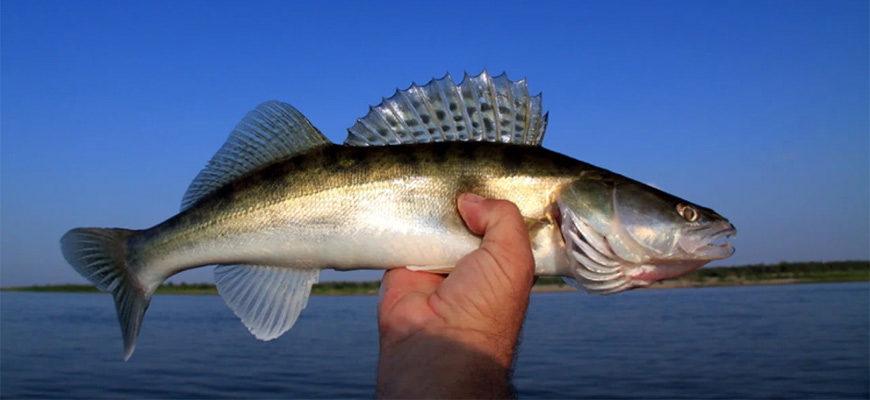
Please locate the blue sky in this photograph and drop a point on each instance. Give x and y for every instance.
(757, 109)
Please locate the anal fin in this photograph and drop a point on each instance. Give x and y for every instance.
(267, 299)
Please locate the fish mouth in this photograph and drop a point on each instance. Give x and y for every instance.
(711, 243)
(704, 245)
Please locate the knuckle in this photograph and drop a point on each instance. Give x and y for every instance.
(504, 207)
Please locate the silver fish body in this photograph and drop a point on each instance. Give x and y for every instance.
(279, 202)
(363, 207)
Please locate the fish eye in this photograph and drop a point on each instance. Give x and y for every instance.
(688, 212)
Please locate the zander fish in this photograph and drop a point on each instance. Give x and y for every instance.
(279, 202)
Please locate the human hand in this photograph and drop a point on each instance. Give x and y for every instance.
(455, 336)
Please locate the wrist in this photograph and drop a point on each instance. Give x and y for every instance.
(445, 363)
(496, 346)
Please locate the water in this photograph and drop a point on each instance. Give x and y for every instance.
(801, 341)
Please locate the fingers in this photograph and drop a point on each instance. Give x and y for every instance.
(404, 306)
(505, 236)
(405, 280)
(399, 282)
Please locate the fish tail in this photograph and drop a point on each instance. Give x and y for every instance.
(101, 256)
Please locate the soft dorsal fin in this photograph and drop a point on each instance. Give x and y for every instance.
(271, 132)
(481, 108)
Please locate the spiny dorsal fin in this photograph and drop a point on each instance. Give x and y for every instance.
(271, 132)
(267, 299)
(481, 108)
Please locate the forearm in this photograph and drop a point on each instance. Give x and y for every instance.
(445, 366)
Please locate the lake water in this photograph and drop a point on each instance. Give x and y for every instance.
(800, 341)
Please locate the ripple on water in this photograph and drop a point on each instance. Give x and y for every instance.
(747, 342)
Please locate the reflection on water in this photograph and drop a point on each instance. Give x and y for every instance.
(758, 342)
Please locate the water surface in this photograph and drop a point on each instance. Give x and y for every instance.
(807, 341)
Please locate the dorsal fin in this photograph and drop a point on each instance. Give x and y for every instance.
(271, 132)
(481, 108)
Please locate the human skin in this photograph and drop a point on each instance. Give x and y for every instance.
(455, 336)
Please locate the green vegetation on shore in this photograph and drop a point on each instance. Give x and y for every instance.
(805, 272)
(759, 274)
(762, 274)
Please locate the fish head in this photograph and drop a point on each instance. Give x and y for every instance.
(621, 234)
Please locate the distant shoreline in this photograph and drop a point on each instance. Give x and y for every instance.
(760, 274)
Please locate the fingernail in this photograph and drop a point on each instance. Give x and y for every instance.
(471, 198)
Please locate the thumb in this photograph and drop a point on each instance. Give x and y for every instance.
(505, 236)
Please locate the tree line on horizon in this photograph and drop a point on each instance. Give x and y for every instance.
(834, 271)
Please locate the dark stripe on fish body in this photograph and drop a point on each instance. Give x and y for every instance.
(333, 159)
(330, 160)
(358, 156)
(464, 150)
(363, 159)
(408, 158)
(513, 157)
(439, 153)
(272, 173)
(469, 184)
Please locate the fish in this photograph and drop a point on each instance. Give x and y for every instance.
(279, 202)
